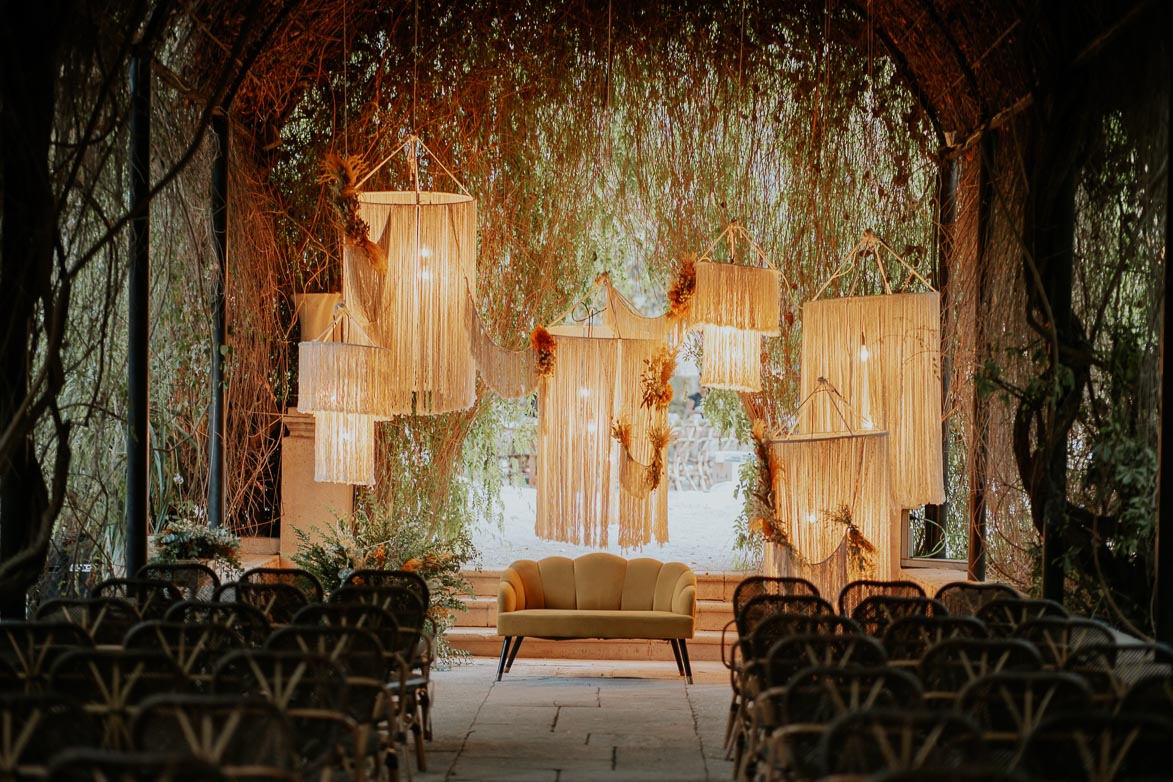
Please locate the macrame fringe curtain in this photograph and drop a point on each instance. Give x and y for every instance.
(344, 448)
(816, 475)
(627, 322)
(416, 309)
(511, 374)
(642, 512)
(897, 387)
(575, 406)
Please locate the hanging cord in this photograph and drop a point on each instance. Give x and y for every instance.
(411, 148)
(732, 233)
(871, 244)
(345, 86)
(839, 402)
(415, 64)
(342, 311)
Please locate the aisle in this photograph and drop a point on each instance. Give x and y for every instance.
(562, 720)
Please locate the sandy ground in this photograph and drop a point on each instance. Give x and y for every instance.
(700, 532)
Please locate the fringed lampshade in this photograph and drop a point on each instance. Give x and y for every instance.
(416, 309)
(735, 298)
(344, 448)
(821, 481)
(575, 406)
(883, 355)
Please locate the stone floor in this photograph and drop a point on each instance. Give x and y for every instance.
(565, 720)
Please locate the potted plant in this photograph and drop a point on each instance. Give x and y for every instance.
(187, 536)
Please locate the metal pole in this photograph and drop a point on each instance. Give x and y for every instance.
(219, 338)
(979, 448)
(138, 316)
(1164, 542)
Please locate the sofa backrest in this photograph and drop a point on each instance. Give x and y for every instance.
(600, 581)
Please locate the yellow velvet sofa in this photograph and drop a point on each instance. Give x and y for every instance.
(597, 595)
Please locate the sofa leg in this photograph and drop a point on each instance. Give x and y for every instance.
(504, 654)
(676, 654)
(687, 665)
(513, 654)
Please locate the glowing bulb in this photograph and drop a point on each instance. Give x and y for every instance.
(592, 427)
(867, 423)
(811, 518)
(584, 392)
(864, 353)
(425, 275)
(425, 252)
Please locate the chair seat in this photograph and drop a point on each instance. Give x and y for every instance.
(579, 623)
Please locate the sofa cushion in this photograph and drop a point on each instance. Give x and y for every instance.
(672, 574)
(639, 587)
(553, 623)
(598, 581)
(558, 582)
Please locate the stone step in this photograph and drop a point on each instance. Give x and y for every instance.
(709, 586)
(484, 642)
(482, 612)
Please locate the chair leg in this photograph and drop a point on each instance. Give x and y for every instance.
(687, 665)
(504, 655)
(513, 654)
(676, 654)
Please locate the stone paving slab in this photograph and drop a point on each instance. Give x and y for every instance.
(561, 721)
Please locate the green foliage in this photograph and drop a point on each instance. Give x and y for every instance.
(376, 539)
(189, 537)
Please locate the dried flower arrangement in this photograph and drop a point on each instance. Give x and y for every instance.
(545, 347)
(659, 437)
(340, 177)
(683, 287)
(861, 553)
(655, 380)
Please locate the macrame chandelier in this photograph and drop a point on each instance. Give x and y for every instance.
(640, 425)
(343, 385)
(415, 307)
(735, 306)
(834, 506)
(883, 355)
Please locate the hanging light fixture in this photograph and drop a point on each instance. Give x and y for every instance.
(344, 448)
(735, 306)
(415, 307)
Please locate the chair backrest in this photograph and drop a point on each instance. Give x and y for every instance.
(278, 602)
(1012, 703)
(357, 651)
(1100, 747)
(950, 665)
(1150, 695)
(762, 606)
(855, 592)
(796, 653)
(909, 637)
(822, 694)
(1003, 615)
(1111, 670)
(104, 765)
(874, 614)
(29, 649)
(372, 618)
(195, 648)
(224, 730)
(775, 627)
(36, 727)
(401, 603)
(150, 596)
(105, 619)
(965, 598)
(751, 587)
(1057, 637)
(110, 683)
(404, 579)
(303, 580)
(870, 742)
(245, 620)
(196, 581)
(292, 681)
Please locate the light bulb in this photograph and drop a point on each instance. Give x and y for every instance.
(867, 423)
(811, 518)
(863, 353)
(425, 251)
(584, 392)
(425, 275)
(592, 427)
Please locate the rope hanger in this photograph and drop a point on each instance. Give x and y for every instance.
(870, 245)
(411, 148)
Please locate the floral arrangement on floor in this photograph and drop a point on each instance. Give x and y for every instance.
(372, 539)
(188, 536)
